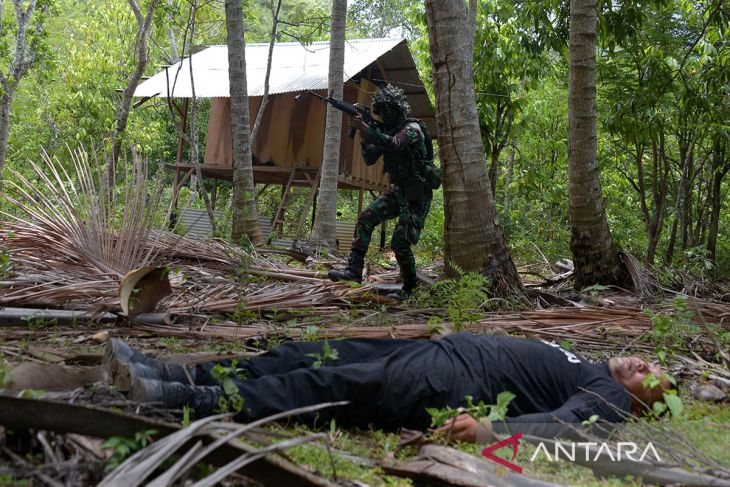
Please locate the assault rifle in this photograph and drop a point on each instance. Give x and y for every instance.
(352, 110)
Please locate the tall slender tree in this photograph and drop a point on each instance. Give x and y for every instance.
(144, 26)
(275, 8)
(595, 257)
(245, 221)
(324, 220)
(30, 16)
(473, 238)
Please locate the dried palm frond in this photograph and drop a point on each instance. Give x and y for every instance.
(87, 222)
(645, 283)
(137, 468)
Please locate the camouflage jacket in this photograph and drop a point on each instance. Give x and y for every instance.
(403, 150)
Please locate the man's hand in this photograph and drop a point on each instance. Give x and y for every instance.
(465, 427)
(358, 123)
(462, 428)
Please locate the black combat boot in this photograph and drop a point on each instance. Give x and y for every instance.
(353, 271)
(125, 363)
(409, 284)
(175, 395)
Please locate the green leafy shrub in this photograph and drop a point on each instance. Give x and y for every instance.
(231, 399)
(124, 447)
(464, 298)
(328, 354)
(671, 329)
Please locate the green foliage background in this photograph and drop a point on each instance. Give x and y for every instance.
(663, 67)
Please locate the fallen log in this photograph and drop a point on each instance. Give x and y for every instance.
(22, 317)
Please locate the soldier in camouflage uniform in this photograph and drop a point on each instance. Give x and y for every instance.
(402, 144)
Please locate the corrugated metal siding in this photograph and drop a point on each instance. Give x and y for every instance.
(345, 232)
(197, 224)
(294, 68)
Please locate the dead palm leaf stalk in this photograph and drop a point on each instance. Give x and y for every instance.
(114, 230)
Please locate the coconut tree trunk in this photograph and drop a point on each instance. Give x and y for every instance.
(473, 238)
(245, 220)
(324, 219)
(594, 255)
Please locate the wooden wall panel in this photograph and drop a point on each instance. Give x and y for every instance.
(218, 146)
(292, 133)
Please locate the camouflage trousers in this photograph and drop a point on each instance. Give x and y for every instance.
(411, 218)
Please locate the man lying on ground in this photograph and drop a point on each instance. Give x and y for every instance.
(390, 383)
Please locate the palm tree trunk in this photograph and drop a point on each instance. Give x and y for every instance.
(324, 220)
(594, 255)
(473, 238)
(245, 221)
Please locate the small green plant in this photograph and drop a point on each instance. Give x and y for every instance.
(187, 415)
(697, 261)
(5, 266)
(493, 412)
(242, 315)
(310, 333)
(124, 447)
(38, 322)
(435, 325)
(230, 400)
(671, 399)
(464, 298)
(671, 329)
(3, 373)
(595, 289)
(32, 394)
(590, 421)
(328, 354)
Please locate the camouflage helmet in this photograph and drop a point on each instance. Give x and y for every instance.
(391, 96)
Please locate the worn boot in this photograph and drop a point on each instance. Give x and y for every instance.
(405, 293)
(175, 395)
(353, 271)
(410, 282)
(125, 363)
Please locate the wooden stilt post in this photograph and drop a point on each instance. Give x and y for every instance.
(214, 194)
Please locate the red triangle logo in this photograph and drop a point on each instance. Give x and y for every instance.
(512, 440)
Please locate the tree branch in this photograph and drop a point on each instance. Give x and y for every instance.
(137, 12)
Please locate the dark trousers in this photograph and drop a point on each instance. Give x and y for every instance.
(389, 383)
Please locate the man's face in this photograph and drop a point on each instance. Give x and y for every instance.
(632, 373)
(390, 114)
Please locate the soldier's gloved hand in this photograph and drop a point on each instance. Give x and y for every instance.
(358, 123)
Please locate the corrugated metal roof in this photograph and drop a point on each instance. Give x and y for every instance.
(294, 68)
